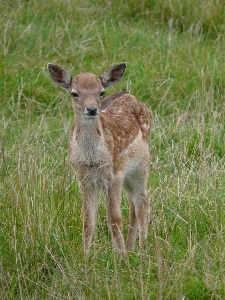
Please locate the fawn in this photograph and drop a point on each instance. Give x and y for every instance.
(108, 148)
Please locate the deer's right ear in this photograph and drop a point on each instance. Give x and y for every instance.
(59, 76)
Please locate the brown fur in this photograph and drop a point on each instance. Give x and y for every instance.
(109, 151)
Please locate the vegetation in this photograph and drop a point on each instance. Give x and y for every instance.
(175, 55)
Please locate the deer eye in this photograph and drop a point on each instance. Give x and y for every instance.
(74, 95)
(102, 93)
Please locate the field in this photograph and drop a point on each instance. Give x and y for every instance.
(175, 54)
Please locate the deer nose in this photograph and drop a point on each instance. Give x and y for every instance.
(91, 110)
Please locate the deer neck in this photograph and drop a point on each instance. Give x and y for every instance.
(90, 132)
(89, 141)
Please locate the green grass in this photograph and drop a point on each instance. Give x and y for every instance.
(175, 55)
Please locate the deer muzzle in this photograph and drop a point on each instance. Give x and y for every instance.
(91, 111)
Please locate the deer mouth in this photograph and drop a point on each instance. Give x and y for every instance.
(91, 111)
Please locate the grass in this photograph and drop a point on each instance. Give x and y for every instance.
(175, 55)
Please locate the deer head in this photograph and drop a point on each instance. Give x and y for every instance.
(86, 89)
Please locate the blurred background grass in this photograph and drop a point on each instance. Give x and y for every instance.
(175, 55)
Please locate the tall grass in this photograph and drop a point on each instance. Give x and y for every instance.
(175, 55)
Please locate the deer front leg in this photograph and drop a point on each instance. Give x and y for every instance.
(89, 207)
(114, 214)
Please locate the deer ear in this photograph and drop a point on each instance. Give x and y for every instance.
(59, 76)
(113, 75)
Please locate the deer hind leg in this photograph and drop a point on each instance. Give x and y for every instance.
(139, 209)
(89, 207)
(142, 212)
(132, 228)
(114, 214)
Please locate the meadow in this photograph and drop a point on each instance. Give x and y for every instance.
(175, 54)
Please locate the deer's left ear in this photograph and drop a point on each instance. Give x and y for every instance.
(113, 75)
(59, 76)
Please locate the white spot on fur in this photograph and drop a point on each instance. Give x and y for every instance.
(145, 126)
(137, 140)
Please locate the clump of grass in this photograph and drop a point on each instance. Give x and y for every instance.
(174, 52)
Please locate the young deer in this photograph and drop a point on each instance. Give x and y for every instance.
(109, 150)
